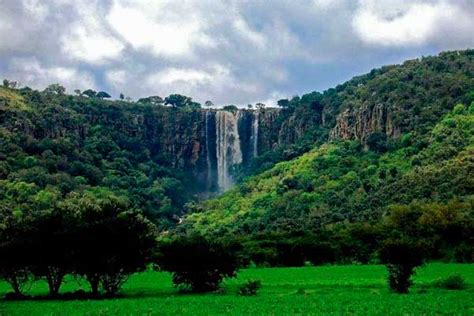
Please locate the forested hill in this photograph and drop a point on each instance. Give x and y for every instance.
(157, 154)
(404, 134)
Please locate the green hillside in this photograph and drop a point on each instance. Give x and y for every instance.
(354, 180)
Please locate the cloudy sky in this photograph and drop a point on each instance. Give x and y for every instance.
(231, 52)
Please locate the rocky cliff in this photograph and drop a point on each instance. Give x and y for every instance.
(362, 122)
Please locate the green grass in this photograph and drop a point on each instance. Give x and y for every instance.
(356, 290)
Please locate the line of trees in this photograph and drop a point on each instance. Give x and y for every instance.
(103, 240)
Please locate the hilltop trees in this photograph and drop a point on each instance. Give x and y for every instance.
(153, 100)
(103, 95)
(90, 93)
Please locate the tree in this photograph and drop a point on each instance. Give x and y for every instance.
(197, 263)
(178, 100)
(90, 93)
(402, 256)
(284, 103)
(112, 241)
(103, 95)
(405, 246)
(260, 106)
(153, 100)
(14, 254)
(10, 84)
(377, 142)
(208, 103)
(77, 92)
(55, 89)
(52, 236)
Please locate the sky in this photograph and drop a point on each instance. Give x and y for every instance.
(229, 52)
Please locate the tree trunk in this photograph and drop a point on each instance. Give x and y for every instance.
(54, 278)
(94, 280)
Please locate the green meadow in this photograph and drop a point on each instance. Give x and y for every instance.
(329, 290)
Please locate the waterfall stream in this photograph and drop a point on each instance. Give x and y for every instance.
(228, 149)
(208, 152)
(255, 133)
(230, 138)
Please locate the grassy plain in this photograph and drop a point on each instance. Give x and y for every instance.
(328, 290)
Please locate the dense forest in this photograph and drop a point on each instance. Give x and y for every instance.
(153, 152)
(403, 138)
(378, 169)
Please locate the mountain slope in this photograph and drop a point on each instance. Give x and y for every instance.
(425, 153)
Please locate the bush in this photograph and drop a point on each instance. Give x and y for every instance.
(453, 282)
(401, 257)
(464, 253)
(250, 288)
(199, 264)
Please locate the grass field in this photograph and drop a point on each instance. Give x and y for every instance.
(336, 290)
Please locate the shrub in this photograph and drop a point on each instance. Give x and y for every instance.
(199, 264)
(453, 282)
(250, 288)
(464, 253)
(401, 257)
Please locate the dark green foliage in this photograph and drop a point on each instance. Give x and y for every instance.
(180, 101)
(103, 95)
(250, 288)
(14, 258)
(342, 182)
(90, 93)
(154, 100)
(97, 237)
(111, 242)
(377, 142)
(51, 235)
(453, 282)
(402, 257)
(199, 264)
(71, 144)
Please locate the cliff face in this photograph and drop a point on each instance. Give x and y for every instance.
(362, 122)
(205, 144)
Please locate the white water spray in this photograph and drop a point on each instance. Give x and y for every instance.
(255, 133)
(228, 150)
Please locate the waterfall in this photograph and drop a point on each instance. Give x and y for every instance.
(255, 133)
(208, 151)
(228, 150)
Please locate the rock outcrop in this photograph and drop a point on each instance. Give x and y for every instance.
(362, 122)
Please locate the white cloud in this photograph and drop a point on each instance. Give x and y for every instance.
(144, 25)
(244, 30)
(37, 11)
(185, 80)
(33, 74)
(411, 24)
(226, 51)
(89, 42)
(327, 4)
